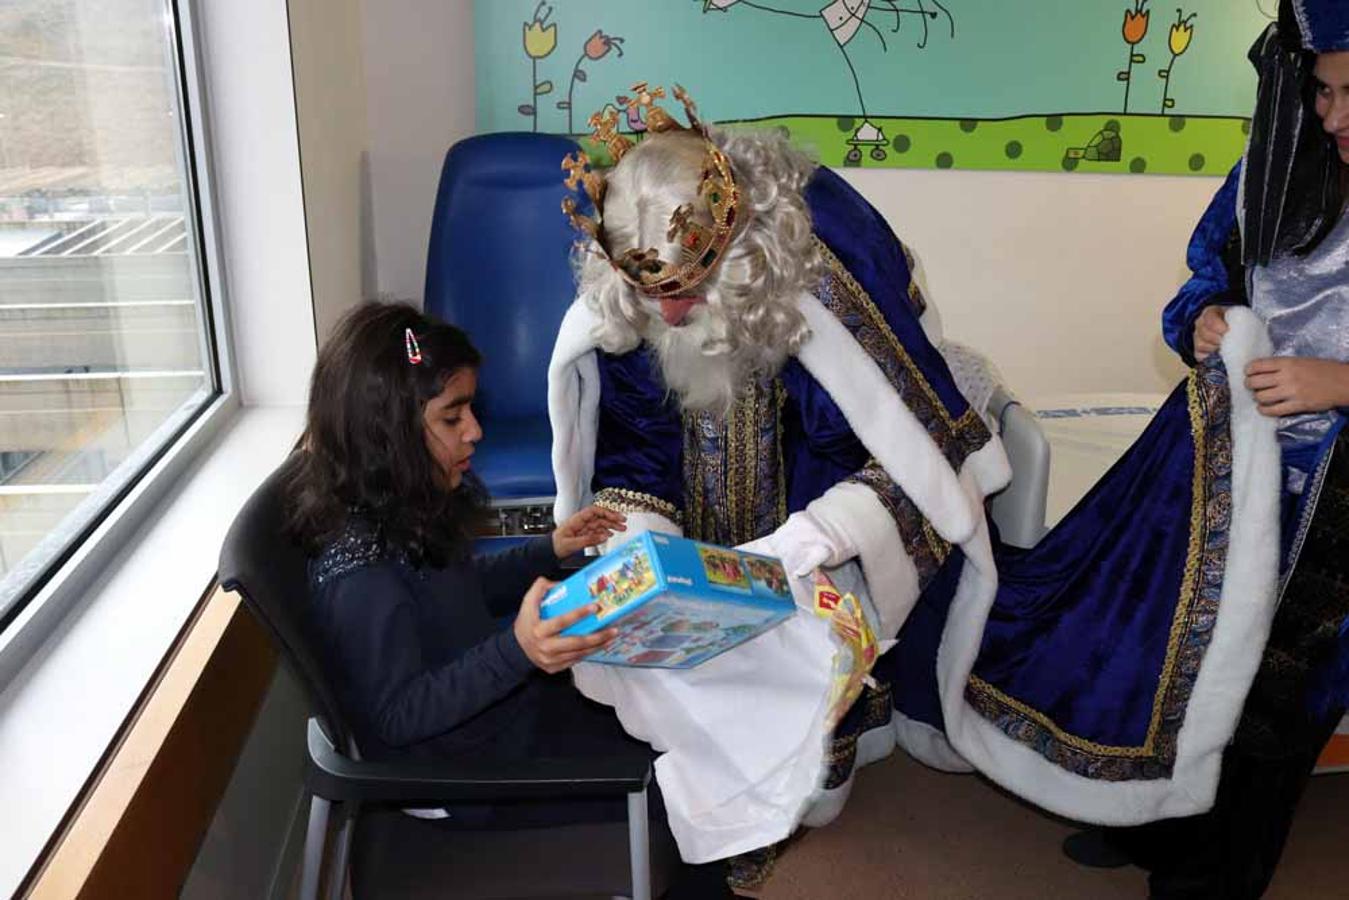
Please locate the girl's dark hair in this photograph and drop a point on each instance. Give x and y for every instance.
(364, 450)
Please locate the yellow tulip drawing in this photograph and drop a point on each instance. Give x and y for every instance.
(540, 40)
(1181, 34)
(1178, 41)
(540, 37)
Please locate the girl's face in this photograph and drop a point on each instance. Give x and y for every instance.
(1332, 98)
(450, 427)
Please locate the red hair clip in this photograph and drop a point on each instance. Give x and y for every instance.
(413, 349)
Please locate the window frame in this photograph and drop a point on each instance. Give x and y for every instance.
(68, 577)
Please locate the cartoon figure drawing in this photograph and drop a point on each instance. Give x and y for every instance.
(768, 573)
(597, 46)
(540, 40)
(723, 569)
(845, 19)
(631, 578)
(1105, 145)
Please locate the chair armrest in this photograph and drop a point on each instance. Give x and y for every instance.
(333, 776)
(1019, 510)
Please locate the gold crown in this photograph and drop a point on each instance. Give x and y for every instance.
(700, 246)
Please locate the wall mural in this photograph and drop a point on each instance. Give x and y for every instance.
(1089, 86)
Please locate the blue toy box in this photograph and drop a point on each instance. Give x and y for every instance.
(677, 603)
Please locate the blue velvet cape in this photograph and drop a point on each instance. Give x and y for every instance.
(1096, 636)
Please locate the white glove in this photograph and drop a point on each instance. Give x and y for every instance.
(804, 543)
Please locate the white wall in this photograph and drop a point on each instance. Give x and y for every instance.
(419, 87)
(256, 157)
(330, 108)
(1060, 279)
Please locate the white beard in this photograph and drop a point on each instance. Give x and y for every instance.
(698, 366)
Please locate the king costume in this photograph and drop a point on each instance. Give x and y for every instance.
(863, 427)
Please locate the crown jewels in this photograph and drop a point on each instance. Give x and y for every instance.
(700, 246)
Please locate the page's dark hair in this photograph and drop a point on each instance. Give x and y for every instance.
(364, 450)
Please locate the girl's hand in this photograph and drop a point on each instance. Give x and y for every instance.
(1286, 385)
(541, 640)
(1209, 329)
(588, 528)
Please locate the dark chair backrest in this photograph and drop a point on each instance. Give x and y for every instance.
(268, 570)
(498, 264)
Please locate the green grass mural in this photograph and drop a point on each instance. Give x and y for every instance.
(1091, 86)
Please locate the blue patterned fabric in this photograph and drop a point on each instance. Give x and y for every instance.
(1210, 282)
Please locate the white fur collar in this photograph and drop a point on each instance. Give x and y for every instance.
(877, 415)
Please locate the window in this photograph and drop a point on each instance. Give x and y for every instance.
(106, 350)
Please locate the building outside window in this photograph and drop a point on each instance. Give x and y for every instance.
(106, 350)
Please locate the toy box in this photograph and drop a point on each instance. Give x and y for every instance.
(676, 602)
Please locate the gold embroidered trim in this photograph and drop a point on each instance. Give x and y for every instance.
(626, 501)
(734, 479)
(1187, 590)
(970, 418)
(1198, 529)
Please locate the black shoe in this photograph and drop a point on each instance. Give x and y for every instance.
(700, 882)
(1094, 849)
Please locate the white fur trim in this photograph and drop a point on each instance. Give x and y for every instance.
(888, 429)
(826, 805)
(1246, 611)
(928, 745)
(573, 408)
(892, 578)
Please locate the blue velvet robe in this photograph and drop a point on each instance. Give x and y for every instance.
(1095, 640)
(786, 441)
(1218, 279)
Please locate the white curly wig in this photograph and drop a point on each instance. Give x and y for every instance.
(750, 323)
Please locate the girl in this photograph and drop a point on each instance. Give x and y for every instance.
(409, 621)
(384, 501)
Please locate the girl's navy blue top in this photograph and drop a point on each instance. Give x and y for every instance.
(422, 657)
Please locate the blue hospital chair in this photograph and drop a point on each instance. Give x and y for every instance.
(498, 266)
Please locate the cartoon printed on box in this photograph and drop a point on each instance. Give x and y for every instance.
(723, 569)
(768, 574)
(630, 576)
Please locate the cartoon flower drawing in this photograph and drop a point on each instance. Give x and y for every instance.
(597, 47)
(540, 40)
(845, 21)
(1178, 42)
(540, 37)
(599, 44)
(1134, 30)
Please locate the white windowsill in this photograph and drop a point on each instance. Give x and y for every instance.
(63, 708)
